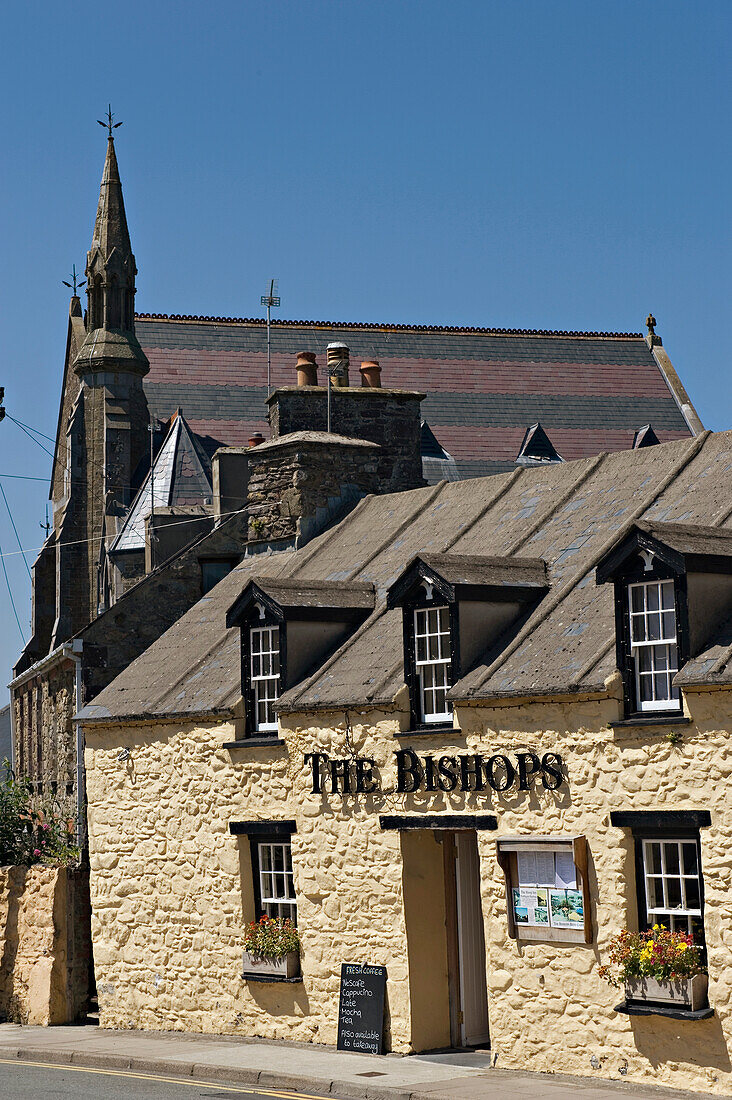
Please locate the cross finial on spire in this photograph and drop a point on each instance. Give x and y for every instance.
(76, 283)
(110, 123)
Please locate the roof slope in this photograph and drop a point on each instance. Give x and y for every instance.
(568, 514)
(591, 391)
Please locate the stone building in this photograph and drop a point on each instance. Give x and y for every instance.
(190, 393)
(468, 733)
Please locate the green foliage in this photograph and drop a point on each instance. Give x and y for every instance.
(271, 937)
(33, 829)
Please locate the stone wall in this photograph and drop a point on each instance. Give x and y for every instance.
(45, 739)
(172, 889)
(390, 418)
(45, 962)
(296, 487)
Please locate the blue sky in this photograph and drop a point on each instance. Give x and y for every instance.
(521, 163)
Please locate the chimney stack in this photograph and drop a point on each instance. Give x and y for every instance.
(338, 361)
(371, 374)
(307, 369)
(256, 439)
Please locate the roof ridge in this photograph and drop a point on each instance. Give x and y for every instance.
(466, 330)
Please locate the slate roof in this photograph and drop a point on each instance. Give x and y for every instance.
(481, 570)
(568, 514)
(180, 478)
(591, 391)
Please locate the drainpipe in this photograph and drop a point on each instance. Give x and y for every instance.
(77, 646)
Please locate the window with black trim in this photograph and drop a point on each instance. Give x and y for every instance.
(668, 868)
(653, 640)
(264, 676)
(214, 570)
(430, 644)
(274, 886)
(652, 637)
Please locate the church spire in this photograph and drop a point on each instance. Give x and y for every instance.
(110, 266)
(110, 280)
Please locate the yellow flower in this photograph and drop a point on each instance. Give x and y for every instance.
(681, 946)
(656, 927)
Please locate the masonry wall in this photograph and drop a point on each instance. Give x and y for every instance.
(390, 418)
(45, 739)
(45, 961)
(172, 889)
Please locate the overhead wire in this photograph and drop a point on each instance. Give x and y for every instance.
(10, 593)
(17, 536)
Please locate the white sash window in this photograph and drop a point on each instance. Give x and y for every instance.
(276, 882)
(433, 658)
(264, 656)
(654, 644)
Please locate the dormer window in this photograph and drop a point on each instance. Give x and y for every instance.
(654, 644)
(454, 609)
(287, 629)
(433, 662)
(673, 589)
(264, 656)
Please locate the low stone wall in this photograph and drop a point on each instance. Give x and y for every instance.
(45, 944)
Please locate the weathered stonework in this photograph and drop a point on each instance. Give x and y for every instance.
(301, 482)
(46, 952)
(172, 889)
(390, 418)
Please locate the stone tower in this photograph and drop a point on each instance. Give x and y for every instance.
(107, 425)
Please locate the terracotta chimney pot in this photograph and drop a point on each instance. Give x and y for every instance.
(256, 439)
(371, 374)
(307, 368)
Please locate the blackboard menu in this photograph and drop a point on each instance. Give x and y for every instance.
(361, 1008)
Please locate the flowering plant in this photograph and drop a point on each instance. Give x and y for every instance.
(34, 829)
(271, 937)
(658, 953)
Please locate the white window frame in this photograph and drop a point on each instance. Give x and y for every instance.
(672, 918)
(265, 685)
(276, 884)
(664, 648)
(437, 668)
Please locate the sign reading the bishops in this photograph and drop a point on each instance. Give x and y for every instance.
(465, 772)
(361, 1008)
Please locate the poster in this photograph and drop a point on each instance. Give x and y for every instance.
(567, 909)
(530, 905)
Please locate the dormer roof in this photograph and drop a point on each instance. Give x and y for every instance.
(472, 577)
(683, 547)
(304, 599)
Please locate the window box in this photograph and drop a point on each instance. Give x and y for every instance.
(286, 967)
(688, 993)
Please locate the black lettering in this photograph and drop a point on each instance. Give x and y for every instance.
(340, 769)
(409, 771)
(365, 782)
(315, 759)
(528, 764)
(551, 765)
(501, 762)
(447, 767)
(430, 773)
(472, 767)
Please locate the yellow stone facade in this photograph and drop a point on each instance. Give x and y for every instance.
(172, 888)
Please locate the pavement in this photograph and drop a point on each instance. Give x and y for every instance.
(304, 1068)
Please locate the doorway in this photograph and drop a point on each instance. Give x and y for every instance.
(465, 940)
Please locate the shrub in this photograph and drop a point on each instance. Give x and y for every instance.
(33, 829)
(658, 953)
(271, 937)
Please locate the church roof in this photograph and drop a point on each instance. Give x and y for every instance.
(179, 478)
(591, 391)
(568, 514)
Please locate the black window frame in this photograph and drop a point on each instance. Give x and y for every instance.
(230, 559)
(250, 710)
(666, 825)
(418, 601)
(639, 574)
